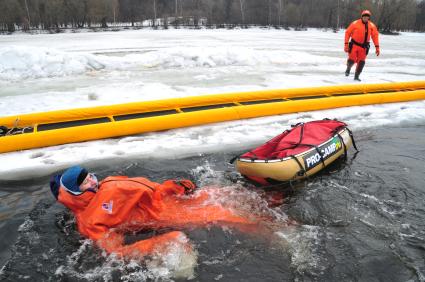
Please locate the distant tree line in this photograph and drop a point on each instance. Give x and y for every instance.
(389, 15)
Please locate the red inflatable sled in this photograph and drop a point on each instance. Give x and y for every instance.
(297, 153)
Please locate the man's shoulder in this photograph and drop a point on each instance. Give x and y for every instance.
(356, 21)
(372, 24)
(353, 24)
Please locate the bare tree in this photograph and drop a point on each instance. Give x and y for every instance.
(242, 11)
(154, 12)
(420, 17)
(28, 14)
(280, 12)
(389, 11)
(115, 10)
(338, 16)
(269, 17)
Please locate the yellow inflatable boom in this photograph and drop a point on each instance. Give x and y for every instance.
(76, 125)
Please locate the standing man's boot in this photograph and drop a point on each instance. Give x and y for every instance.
(350, 63)
(359, 69)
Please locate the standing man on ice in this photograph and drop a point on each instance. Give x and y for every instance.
(360, 32)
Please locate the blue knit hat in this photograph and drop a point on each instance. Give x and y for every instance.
(72, 178)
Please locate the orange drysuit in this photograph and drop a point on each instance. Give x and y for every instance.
(125, 204)
(357, 32)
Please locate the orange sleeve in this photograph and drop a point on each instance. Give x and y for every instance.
(114, 243)
(173, 187)
(375, 36)
(348, 32)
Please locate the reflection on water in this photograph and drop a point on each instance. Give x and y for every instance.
(359, 220)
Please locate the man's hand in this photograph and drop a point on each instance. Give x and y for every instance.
(346, 47)
(377, 51)
(188, 185)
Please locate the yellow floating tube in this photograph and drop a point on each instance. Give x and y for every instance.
(76, 125)
(287, 169)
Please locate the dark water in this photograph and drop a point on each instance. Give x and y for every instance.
(359, 220)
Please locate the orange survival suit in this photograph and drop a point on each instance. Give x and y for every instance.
(124, 204)
(358, 47)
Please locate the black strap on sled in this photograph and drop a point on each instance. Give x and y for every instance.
(336, 131)
(320, 153)
(301, 172)
(322, 160)
(232, 160)
(299, 142)
(343, 143)
(294, 145)
(301, 134)
(352, 139)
